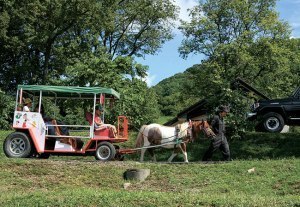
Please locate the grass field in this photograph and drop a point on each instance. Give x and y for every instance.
(81, 181)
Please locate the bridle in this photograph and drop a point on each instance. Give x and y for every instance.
(208, 132)
(190, 131)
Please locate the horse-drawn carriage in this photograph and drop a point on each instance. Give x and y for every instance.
(32, 137)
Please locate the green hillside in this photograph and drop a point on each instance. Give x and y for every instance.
(174, 93)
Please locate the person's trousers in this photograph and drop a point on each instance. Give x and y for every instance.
(217, 143)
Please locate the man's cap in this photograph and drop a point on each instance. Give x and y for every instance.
(99, 107)
(27, 101)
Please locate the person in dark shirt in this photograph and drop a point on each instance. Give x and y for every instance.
(47, 119)
(219, 141)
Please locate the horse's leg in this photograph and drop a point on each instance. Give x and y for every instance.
(174, 154)
(151, 151)
(146, 144)
(142, 155)
(182, 146)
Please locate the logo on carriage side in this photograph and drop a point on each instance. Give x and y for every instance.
(25, 120)
(18, 115)
(33, 124)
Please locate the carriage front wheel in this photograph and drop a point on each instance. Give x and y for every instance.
(17, 145)
(105, 152)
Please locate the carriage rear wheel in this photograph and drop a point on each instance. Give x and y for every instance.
(17, 145)
(105, 151)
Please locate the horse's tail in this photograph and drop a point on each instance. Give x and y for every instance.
(140, 138)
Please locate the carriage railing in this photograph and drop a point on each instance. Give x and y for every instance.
(78, 127)
(123, 126)
(122, 129)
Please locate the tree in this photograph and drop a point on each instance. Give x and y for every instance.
(135, 27)
(138, 103)
(7, 105)
(241, 38)
(31, 31)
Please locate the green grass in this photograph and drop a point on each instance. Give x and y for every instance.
(31, 182)
(82, 181)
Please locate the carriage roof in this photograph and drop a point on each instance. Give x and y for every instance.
(68, 91)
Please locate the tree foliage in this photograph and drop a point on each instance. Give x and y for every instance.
(84, 43)
(175, 93)
(7, 105)
(242, 39)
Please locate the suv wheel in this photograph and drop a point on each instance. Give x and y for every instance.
(273, 122)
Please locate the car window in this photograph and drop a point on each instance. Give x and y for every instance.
(296, 93)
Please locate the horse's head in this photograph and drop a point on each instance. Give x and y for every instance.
(200, 126)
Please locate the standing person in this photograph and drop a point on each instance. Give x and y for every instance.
(27, 104)
(219, 141)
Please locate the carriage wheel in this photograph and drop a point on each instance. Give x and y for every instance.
(17, 145)
(105, 152)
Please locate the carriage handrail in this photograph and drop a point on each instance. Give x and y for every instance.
(68, 136)
(87, 126)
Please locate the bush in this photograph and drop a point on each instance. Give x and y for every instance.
(7, 105)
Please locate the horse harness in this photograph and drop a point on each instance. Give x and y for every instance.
(189, 130)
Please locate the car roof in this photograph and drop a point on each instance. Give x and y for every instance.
(68, 91)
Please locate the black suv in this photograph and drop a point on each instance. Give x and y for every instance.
(272, 115)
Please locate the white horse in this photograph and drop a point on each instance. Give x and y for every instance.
(155, 135)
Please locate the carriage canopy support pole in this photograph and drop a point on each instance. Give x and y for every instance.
(93, 122)
(40, 102)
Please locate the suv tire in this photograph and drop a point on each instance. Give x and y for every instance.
(273, 122)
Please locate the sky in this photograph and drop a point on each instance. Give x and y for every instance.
(167, 62)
